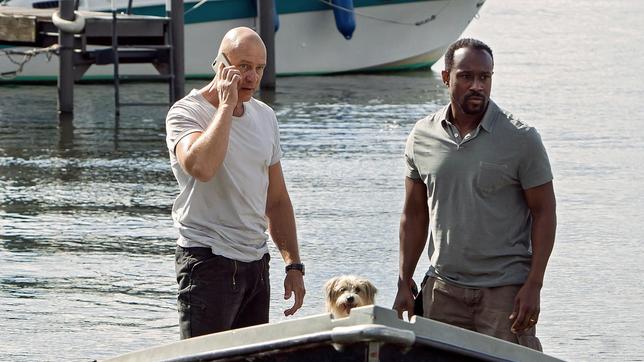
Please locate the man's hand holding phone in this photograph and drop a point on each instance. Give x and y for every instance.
(227, 80)
(221, 58)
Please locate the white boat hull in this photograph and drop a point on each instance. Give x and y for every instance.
(369, 333)
(309, 43)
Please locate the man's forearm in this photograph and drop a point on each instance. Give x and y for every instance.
(208, 152)
(413, 236)
(414, 223)
(544, 225)
(281, 227)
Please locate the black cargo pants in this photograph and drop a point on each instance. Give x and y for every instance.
(218, 294)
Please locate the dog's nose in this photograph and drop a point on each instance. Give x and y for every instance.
(350, 299)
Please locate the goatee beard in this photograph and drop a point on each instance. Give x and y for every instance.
(474, 111)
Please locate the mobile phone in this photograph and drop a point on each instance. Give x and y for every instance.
(221, 58)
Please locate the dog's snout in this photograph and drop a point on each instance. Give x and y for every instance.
(350, 299)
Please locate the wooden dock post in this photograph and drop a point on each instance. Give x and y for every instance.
(66, 65)
(115, 54)
(177, 41)
(265, 9)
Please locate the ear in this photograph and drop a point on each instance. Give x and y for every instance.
(445, 76)
(370, 288)
(329, 286)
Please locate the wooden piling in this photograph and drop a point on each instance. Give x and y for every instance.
(115, 54)
(265, 16)
(66, 65)
(177, 41)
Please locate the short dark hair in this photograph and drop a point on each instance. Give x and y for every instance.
(464, 43)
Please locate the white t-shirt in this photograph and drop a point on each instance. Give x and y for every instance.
(227, 213)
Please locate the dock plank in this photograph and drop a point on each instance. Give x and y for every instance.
(34, 27)
(21, 29)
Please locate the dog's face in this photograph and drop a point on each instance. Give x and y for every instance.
(346, 292)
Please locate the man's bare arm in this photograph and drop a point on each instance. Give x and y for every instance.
(414, 223)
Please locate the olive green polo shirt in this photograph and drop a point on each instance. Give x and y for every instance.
(480, 224)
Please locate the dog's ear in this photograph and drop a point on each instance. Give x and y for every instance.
(329, 286)
(329, 294)
(370, 288)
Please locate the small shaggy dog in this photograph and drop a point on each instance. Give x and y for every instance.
(346, 292)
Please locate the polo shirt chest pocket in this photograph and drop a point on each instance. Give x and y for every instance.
(491, 177)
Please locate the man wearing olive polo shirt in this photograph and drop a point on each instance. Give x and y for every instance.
(480, 180)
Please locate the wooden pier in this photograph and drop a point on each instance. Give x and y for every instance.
(106, 38)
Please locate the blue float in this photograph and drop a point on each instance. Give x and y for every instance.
(276, 18)
(345, 19)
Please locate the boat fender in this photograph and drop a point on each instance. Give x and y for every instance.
(345, 19)
(69, 26)
(276, 17)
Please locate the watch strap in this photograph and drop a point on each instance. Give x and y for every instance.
(295, 266)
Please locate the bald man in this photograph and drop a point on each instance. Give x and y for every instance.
(225, 154)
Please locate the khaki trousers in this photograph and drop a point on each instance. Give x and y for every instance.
(483, 310)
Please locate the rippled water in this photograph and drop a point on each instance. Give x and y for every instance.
(86, 243)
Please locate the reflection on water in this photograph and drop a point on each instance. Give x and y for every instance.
(87, 239)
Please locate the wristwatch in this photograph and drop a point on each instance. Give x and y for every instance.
(295, 266)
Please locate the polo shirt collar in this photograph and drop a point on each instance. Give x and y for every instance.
(490, 116)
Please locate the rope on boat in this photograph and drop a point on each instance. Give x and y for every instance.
(194, 7)
(27, 55)
(415, 23)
